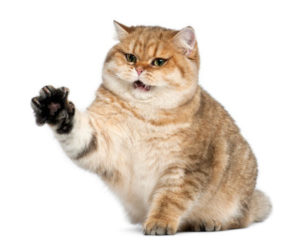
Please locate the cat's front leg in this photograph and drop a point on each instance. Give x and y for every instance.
(72, 128)
(171, 198)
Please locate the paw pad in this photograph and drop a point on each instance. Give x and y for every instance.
(53, 107)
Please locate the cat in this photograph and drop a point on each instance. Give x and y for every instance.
(162, 144)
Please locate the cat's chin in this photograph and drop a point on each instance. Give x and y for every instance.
(140, 93)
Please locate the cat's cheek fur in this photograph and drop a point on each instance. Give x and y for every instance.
(163, 97)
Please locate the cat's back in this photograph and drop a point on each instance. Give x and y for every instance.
(213, 117)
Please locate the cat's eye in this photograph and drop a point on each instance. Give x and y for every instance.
(130, 58)
(159, 62)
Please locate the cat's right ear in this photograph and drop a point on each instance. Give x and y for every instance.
(121, 30)
(185, 40)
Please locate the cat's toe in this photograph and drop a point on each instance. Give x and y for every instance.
(36, 104)
(64, 92)
(50, 93)
(209, 226)
(159, 228)
(47, 91)
(39, 110)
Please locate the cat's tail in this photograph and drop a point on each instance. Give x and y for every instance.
(260, 207)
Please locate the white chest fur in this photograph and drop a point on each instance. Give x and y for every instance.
(138, 150)
(148, 154)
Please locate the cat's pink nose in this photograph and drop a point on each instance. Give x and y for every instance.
(139, 70)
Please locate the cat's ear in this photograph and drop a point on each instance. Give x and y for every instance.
(121, 30)
(185, 40)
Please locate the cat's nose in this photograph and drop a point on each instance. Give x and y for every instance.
(139, 70)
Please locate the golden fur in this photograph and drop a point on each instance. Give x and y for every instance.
(172, 154)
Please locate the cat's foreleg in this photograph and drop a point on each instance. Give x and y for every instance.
(72, 128)
(180, 187)
(171, 198)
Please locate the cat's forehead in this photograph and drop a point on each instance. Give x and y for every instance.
(148, 44)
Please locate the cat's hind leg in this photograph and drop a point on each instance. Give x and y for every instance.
(200, 226)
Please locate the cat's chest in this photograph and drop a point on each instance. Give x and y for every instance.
(152, 148)
(151, 153)
(142, 152)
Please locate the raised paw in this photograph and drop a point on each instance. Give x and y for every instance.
(159, 227)
(52, 107)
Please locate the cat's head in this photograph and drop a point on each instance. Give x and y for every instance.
(153, 65)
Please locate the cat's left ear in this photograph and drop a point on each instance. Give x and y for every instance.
(122, 30)
(185, 40)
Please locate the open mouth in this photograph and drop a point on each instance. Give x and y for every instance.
(140, 85)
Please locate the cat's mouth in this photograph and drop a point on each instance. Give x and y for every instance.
(140, 85)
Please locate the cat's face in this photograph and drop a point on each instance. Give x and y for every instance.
(153, 65)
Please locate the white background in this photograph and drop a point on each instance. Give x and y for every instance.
(250, 59)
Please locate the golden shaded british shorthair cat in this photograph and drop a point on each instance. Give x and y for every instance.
(162, 144)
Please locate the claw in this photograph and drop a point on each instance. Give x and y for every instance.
(36, 105)
(47, 91)
(36, 101)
